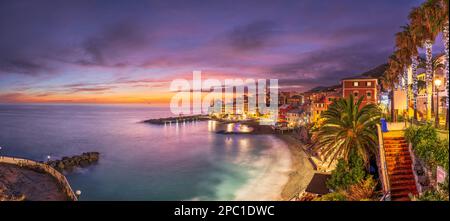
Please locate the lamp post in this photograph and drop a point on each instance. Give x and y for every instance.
(437, 83)
(78, 194)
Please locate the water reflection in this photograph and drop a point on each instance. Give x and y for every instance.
(212, 125)
(238, 128)
(150, 162)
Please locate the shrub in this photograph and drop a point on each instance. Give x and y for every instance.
(416, 134)
(433, 152)
(336, 196)
(362, 191)
(347, 173)
(440, 194)
(428, 146)
(432, 195)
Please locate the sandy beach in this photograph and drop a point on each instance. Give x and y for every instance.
(301, 172)
(268, 182)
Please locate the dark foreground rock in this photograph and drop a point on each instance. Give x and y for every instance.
(70, 163)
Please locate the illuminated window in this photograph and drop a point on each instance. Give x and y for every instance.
(355, 84)
(369, 84)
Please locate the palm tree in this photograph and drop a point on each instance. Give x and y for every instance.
(390, 78)
(443, 21)
(435, 65)
(424, 23)
(444, 16)
(347, 126)
(405, 41)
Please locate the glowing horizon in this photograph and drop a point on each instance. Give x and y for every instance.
(125, 52)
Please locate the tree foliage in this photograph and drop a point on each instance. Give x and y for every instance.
(428, 146)
(347, 126)
(347, 173)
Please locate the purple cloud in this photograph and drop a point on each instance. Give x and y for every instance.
(302, 43)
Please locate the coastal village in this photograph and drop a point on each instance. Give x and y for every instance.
(379, 135)
(300, 114)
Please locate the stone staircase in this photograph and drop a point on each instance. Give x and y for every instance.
(399, 167)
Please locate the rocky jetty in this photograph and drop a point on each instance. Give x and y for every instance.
(70, 163)
(180, 119)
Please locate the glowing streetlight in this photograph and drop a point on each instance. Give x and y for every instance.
(437, 83)
(78, 193)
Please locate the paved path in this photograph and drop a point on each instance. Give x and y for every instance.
(34, 185)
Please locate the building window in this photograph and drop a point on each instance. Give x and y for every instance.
(369, 94)
(355, 93)
(369, 84)
(355, 84)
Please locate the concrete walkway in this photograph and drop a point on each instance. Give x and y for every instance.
(33, 185)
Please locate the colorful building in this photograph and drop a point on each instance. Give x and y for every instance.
(296, 117)
(282, 112)
(317, 107)
(361, 86)
(295, 100)
(331, 97)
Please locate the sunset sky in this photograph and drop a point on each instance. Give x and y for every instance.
(129, 51)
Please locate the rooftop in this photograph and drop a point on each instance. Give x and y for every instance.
(318, 184)
(296, 111)
(360, 78)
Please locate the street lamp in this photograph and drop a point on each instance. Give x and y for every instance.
(78, 194)
(437, 83)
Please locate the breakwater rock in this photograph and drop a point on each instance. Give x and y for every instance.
(70, 163)
(180, 119)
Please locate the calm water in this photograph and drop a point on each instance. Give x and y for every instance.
(146, 162)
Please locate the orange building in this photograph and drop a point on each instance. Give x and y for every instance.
(331, 97)
(295, 100)
(361, 86)
(317, 107)
(282, 111)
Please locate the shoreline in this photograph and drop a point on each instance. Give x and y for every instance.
(301, 171)
(268, 183)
